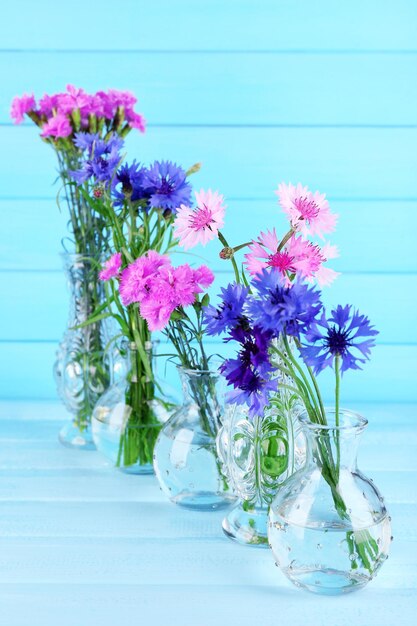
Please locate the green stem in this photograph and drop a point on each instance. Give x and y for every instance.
(234, 264)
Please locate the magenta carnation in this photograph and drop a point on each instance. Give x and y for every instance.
(135, 279)
(170, 288)
(57, 126)
(21, 106)
(160, 288)
(111, 267)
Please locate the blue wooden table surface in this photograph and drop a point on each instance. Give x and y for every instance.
(82, 544)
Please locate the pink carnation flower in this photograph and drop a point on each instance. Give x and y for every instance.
(49, 104)
(111, 267)
(22, 105)
(135, 120)
(161, 288)
(309, 213)
(200, 225)
(136, 279)
(57, 126)
(73, 99)
(299, 257)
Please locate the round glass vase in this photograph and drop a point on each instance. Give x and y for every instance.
(258, 455)
(329, 528)
(185, 459)
(82, 366)
(127, 418)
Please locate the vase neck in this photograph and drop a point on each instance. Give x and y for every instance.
(204, 390)
(337, 441)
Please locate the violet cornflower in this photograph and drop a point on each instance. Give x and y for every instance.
(339, 335)
(278, 307)
(167, 185)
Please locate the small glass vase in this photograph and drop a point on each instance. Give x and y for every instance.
(82, 366)
(185, 460)
(258, 455)
(127, 418)
(329, 529)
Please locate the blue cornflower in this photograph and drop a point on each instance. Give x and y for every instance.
(278, 306)
(338, 336)
(101, 160)
(229, 313)
(167, 185)
(131, 179)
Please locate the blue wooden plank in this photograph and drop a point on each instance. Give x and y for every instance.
(201, 88)
(44, 295)
(384, 603)
(25, 374)
(362, 234)
(212, 25)
(246, 162)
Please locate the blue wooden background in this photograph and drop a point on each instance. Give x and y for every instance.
(260, 92)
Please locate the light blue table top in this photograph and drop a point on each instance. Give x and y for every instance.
(83, 545)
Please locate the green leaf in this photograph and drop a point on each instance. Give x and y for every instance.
(92, 320)
(206, 300)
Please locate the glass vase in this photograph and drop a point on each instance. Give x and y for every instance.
(329, 528)
(258, 455)
(127, 418)
(185, 460)
(82, 366)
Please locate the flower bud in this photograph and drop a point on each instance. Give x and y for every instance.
(98, 192)
(226, 253)
(167, 214)
(193, 169)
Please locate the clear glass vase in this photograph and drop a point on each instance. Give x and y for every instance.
(82, 366)
(329, 528)
(127, 418)
(258, 455)
(185, 460)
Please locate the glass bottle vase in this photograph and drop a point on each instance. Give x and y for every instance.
(127, 418)
(329, 528)
(82, 366)
(258, 454)
(185, 460)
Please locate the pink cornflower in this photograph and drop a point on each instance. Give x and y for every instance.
(200, 225)
(309, 213)
(57, 126)
(111, 267)
(22, 105)
(325, 275)
(298, 257)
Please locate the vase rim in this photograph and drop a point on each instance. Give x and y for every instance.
(350, 421)
(196, 372)
(79, 256)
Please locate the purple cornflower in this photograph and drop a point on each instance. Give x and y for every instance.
(101, 160)
(338, 336)
(128, 182)
(167, 186)
(278, 307)
(250, 373)
(227, 315)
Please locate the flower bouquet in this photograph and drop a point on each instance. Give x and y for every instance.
(138, 204)
(329, 529)
(82, 128)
